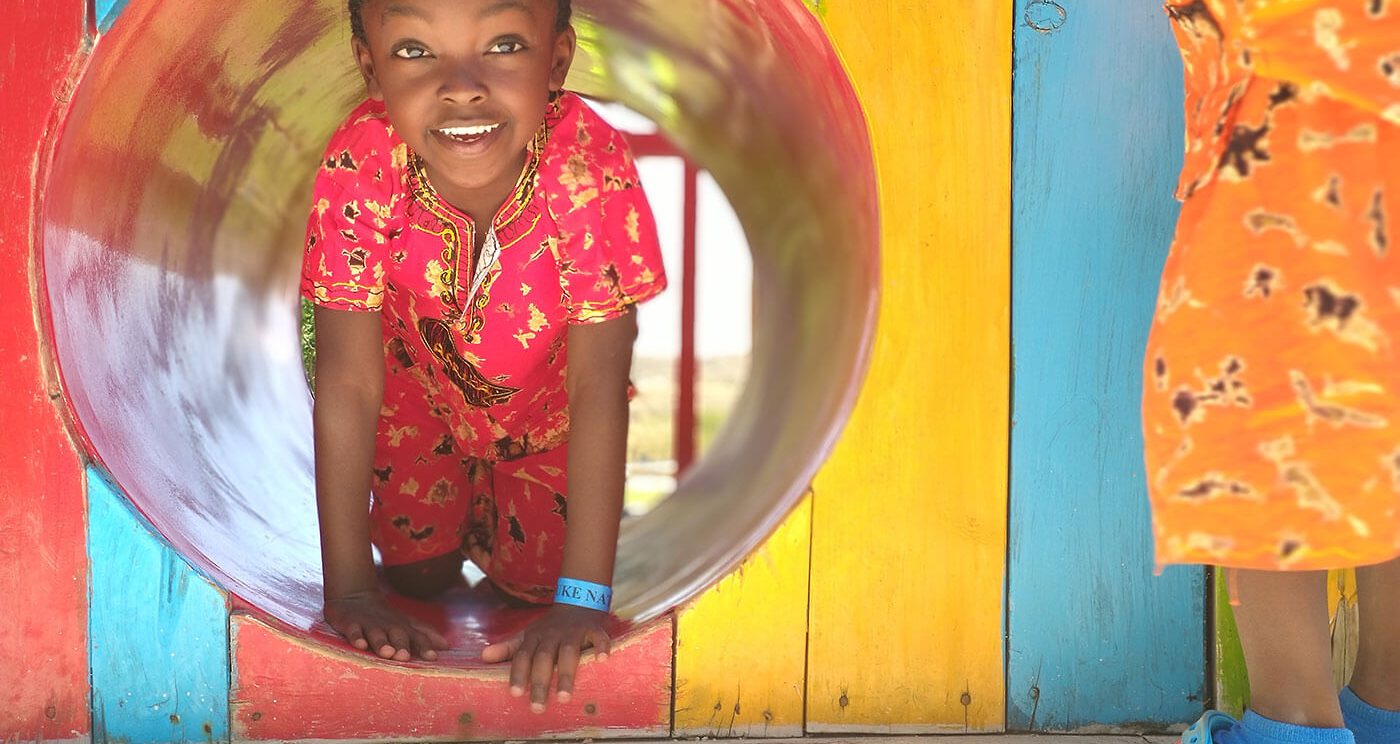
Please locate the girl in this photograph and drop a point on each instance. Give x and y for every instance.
(1272, 396)
(478, 241)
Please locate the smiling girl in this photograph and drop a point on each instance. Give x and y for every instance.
(477, 243)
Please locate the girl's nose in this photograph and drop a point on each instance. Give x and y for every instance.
(462, 84)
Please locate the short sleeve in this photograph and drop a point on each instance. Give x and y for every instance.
(610, 260)
(352, 217)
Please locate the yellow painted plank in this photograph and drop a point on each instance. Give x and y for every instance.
(909, 516)
(741, 649)
(1341, 602)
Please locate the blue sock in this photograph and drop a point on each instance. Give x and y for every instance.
(1371, 725)
(1256, 729)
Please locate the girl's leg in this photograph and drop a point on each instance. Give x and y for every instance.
(1282, 618)
(1377, 676)
(427, 579)
(530, 508)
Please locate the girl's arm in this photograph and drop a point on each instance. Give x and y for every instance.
(599, 365)
(349, 393)
(599, 373)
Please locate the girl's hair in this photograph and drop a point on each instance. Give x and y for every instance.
(357, 21)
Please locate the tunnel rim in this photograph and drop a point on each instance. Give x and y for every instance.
(204, 564)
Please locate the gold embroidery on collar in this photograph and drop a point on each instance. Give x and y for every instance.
(452, 224)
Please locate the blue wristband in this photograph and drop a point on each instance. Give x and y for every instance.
(583, 594)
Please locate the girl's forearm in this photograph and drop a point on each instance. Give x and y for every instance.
(596, 478)
(349, 393)
(345, 422)
(600, 363)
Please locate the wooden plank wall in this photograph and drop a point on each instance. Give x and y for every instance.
(905, 539)
(288, 687)
(1095, 639)
(43, 568)
(160, 642)
(909, 517)
(741, 649)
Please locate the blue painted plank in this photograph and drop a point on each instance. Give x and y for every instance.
(1095, 640)
(158, 633)
(107, 12)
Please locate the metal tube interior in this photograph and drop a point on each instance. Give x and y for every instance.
(171, 238)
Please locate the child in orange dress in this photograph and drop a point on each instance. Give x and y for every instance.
(477, 244)
(1272, 385)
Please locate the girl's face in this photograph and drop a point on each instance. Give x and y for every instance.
(465, 82)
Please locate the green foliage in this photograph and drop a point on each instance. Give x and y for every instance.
(1231, 678)
(308, 342)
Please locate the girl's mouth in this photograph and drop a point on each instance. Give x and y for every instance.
(467, 140)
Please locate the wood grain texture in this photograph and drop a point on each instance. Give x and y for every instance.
(1096, 641)
(741, 648)
(909, 518)
(288, 687)
(43, 567)
(159, 633)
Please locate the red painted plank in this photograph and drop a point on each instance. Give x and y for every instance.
(685, 367)
(43, 569)
(651, 145)
(289, 688)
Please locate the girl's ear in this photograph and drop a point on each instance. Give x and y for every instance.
(565, 44)
(365, 61)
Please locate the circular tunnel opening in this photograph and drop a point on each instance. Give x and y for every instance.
(692, 354)
(171, 241)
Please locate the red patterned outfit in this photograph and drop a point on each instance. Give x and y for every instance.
(470, 453)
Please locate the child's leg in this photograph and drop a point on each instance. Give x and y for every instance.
(1282, 618)
(462, 486)
(1371, 704)
(423, 491)
(1377, 676)
(428, 578)
(527, 515)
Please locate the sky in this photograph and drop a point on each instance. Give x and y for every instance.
(724, 270)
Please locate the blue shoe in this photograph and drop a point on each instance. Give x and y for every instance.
(1370, 724)
(1203, 731)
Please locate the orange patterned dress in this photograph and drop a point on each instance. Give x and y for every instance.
(1271, 404)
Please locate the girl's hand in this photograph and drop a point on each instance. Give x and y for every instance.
(370, 624)
(556, 639)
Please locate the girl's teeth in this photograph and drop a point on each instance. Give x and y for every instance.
(469, 131)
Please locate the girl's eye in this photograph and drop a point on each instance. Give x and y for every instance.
(506, 47)
(411, 52)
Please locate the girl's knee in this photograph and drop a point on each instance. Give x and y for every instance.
(426, 579)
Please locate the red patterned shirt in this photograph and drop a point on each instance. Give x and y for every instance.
(482, 347)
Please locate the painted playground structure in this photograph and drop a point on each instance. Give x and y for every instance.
(970, 553)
